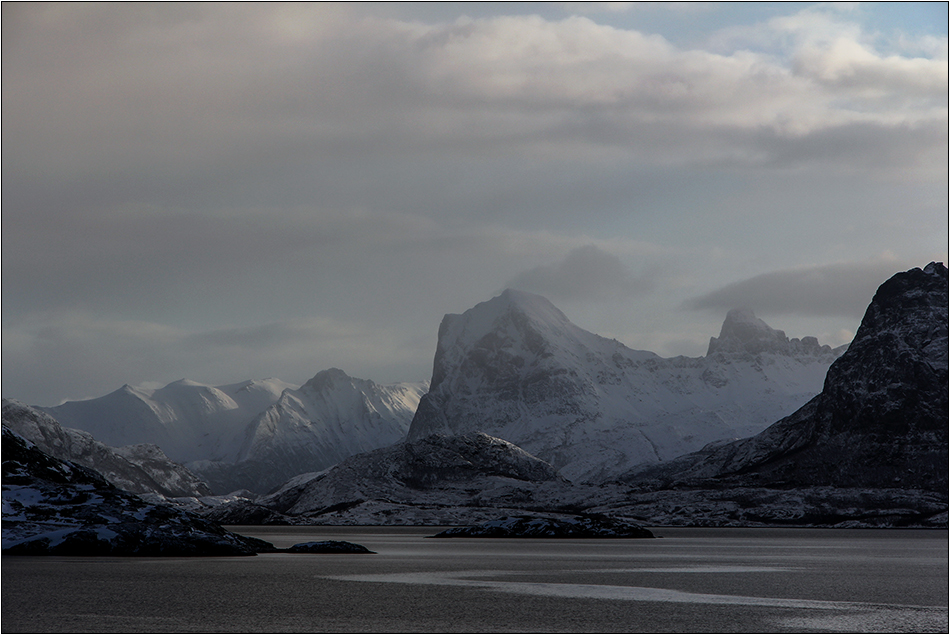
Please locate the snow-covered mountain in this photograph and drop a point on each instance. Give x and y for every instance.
(331, 417)
(880, 421)
(188, 420)
(140, 469)
(255, 434)
(516, 368)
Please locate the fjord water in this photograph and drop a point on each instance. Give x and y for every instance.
(698, 580)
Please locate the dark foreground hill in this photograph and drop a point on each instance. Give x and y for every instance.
(879, 422)
(58, 507)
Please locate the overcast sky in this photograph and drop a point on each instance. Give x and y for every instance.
(225, 192)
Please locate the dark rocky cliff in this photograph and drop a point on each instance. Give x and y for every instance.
(880, 421)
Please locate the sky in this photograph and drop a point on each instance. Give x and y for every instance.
(223, 192)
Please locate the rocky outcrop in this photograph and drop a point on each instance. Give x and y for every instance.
(880, 421)
(436, 480)
(719, 505)
(141, 469)
(742, 332)
(328, 546)
(55, 507)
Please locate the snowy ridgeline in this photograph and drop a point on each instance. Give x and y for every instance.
(256, 434)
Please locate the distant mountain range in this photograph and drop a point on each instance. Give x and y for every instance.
(252, 435)
(188, 420)
(529, 412)
(331, 417)
(870, 450)
(513, 367)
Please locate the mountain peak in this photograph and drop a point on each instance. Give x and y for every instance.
(328, 378)
(484, 316)
(743, 332)
(515, 325)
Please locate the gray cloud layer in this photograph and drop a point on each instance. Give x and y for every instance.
(233, 191)
(843, 289)
(586, 273)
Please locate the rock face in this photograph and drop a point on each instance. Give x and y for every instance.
(546, 527)
(879, 422)
(516, 368)
(141, 469)
(54, 507)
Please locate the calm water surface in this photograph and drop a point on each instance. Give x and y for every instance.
(689, 580)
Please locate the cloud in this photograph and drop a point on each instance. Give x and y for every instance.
(841, 289)
(586, 272)
(161, 95)
(198, 189)
(76, 355)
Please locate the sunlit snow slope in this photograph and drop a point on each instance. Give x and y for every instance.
(256, 434)
(331, 417)
(188, 420)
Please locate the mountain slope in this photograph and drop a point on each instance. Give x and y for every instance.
(188, 420)
(331, 417)
(251, 435)
(139, 469)
(880, 421)
(516, 368)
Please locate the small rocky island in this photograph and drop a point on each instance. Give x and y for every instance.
(327, 546)
(587, 526)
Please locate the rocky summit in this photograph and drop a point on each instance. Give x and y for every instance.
(743, 332)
